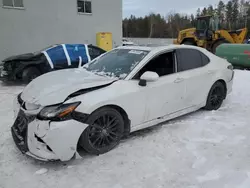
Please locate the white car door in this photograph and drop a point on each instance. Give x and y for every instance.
(193, 67)
(165, 95)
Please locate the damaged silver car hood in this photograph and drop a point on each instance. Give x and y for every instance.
(55, 87)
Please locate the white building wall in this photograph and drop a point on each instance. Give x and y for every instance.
(45, 22)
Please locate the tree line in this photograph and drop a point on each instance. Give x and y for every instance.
(234, 14)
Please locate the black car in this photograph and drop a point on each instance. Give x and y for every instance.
(26, 67)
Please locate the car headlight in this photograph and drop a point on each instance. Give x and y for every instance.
(57, 112)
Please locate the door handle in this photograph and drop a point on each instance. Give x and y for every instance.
(178, 80)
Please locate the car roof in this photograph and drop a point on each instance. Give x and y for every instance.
(160, 47)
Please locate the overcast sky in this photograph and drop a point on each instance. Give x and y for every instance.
(143, 7)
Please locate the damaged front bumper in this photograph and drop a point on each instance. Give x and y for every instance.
(5, 70)
(45, 140)
(3, 73)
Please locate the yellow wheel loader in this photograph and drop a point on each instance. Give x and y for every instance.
(209, 35)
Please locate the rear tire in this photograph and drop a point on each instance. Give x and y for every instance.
(105, 130)
(218, 43)
(216, 96)
(30, 74)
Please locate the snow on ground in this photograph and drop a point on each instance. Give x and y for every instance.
(203, 149)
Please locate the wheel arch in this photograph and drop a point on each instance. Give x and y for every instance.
(127, 122)
(189, 40)
(224, 84)
(218, 41)
(19, 71)
(29, 66)
(219, 80)
(26, 68)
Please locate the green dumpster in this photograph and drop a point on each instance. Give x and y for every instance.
(236, 54)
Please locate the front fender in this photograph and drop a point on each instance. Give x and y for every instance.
(135, 112)
(126, 95)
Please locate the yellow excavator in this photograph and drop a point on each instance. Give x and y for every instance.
(208, 34)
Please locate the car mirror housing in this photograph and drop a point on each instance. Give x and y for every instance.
(148, 76)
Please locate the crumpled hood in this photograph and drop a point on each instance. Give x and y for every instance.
(21, 57)
(54, 87)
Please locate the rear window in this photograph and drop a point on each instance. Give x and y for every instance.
(190, 59)
(205, 59)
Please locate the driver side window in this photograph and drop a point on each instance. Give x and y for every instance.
(163, 64)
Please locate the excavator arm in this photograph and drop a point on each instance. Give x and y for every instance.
(237, 36)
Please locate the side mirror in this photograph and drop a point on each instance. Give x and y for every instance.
(148, 76)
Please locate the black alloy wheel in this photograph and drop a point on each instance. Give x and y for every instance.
(106, 127)
(216, 96)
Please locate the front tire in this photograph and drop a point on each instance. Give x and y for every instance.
(218, 43)
(216, 96)
(105, 130)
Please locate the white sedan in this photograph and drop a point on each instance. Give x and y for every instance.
(123, 90)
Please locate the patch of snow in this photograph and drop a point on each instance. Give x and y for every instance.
(77, 156)
(209, 176)
(199, 162)
(77, 71)
(246, 182)
(122, 76)
(138, 52)
(238, 139)
(41, 171)
(215, 140)
(69, 167)
(134, 65)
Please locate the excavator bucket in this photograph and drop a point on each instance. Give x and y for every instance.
(239, 35)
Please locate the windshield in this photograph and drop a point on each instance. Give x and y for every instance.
(116, 63)
(202, 24)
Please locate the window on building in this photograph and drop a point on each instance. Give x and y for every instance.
(13, 3)
(84, 6)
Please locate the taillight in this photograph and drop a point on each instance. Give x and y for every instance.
(231, 67)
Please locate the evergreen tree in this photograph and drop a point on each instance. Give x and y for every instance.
(204, 11)
(192, 20)
(221, 8)
(248, 16)
(229, 11)
(210, 10)
(241, 7)
(198, 13)
(235, 13)
(221, 13)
